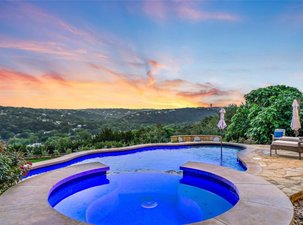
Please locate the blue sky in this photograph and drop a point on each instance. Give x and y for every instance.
(146, 54)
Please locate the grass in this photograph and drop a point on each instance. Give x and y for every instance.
(34, 160)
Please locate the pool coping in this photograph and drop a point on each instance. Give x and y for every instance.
(75, 155)
(260, 202)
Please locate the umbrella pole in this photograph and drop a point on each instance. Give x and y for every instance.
(221, 149)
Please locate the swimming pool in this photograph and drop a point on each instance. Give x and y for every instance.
(155, 158)
(170, 159)
(152, 198)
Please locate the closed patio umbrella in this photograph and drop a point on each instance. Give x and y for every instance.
(295, 121)
(221, 125)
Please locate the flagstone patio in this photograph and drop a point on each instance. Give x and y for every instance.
(285, 171)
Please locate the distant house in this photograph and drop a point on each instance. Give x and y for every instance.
(35, 145)
(2, 113)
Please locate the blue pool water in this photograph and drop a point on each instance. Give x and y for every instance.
(166, 159)
(138, 189)
(146, 198)
(163, 158)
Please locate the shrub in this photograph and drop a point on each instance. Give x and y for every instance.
(12, 168)
(44, 152)
(57, 152)
(99, 145)
(68, 151)
(36, 151)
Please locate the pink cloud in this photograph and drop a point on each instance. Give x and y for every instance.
(153, 68)
(10, 75)
(59, 35)
(51, 48)
(291, 18)
(173, 84)
(155, 64)
(56, 78)
(300, 17)
(180, 87)
(186, 10)
(131, 80)
(202, 93)
(41, 47)
(155, 9)
(64, 41)
(71, 43)
(189, 89)
(41, 16)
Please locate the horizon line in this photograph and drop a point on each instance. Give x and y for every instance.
(27, 107)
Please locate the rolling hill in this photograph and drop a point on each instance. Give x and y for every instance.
(19, 122)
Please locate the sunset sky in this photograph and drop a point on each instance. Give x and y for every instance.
(146, 54)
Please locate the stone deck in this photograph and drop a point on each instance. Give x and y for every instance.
(27, 202)
(260, 202)
(284, 170)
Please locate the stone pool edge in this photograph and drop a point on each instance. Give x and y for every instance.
(260, 202)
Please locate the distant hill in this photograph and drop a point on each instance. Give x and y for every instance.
(153, 116)
(19, 122)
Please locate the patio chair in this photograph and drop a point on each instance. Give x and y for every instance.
(294, 144)
(197, 139)
(278, 134)
(216, 139)
(180, 139)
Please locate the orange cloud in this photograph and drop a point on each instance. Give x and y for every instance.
(54, 91)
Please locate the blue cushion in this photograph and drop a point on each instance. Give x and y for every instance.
(278, 134)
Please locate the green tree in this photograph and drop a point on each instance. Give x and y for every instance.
(84, 135)
(265, 109)
(238, 125)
